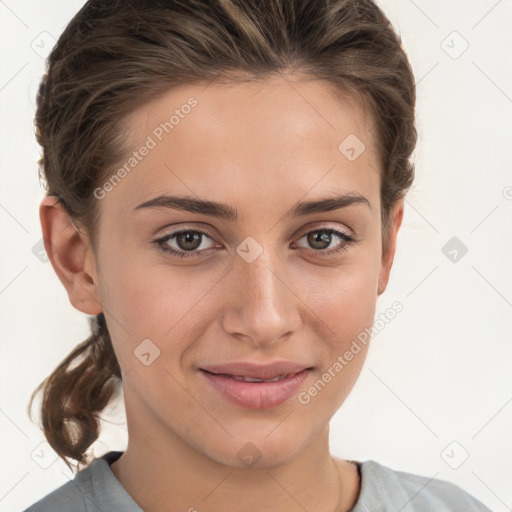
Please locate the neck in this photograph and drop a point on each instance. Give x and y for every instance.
(161, 469)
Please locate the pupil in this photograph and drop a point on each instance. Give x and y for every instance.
(320, 239)
(189, 241)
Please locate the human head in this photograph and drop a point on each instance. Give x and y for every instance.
(101, 70)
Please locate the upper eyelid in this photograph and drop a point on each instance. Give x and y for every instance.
(313, 226)
(306, 230)
(185, 230)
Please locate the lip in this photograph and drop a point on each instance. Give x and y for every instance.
(257, 395)
(257, 371)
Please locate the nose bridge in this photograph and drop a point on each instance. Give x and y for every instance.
(262, 306)
(263, 286)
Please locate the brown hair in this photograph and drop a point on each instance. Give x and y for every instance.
(114, 55)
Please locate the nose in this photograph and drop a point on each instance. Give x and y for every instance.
(262, 307)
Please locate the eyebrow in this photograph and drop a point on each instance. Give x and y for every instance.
(225, 211)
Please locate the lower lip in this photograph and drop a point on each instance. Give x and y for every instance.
(257, 395)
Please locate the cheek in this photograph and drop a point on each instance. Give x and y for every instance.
(346, 305)
(344, 298)
(155, 300)
(148, 300)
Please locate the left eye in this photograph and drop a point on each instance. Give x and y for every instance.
(321, 239)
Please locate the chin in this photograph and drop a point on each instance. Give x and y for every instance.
(259, 450)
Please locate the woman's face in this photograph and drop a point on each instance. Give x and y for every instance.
(257, 289)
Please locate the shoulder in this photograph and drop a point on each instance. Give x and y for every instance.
(70, 496)
(93, 489)
(383, 488)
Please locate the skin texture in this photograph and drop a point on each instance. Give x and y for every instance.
(260, 147)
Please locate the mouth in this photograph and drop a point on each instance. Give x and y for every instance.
(255, 386)
(244, 378)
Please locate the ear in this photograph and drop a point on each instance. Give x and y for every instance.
(388, 254)
(71, 256)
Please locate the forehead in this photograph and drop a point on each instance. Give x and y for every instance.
(281, 135)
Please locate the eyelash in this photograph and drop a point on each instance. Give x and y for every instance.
(160, 243)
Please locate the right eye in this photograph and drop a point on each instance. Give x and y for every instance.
(184, 243)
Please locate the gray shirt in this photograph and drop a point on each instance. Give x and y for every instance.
(96, 489)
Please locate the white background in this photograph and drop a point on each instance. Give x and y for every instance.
(437, 384)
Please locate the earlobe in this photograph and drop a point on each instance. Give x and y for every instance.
(71, 256)
(388, 254)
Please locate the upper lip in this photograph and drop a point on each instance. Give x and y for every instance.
(257, 371)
